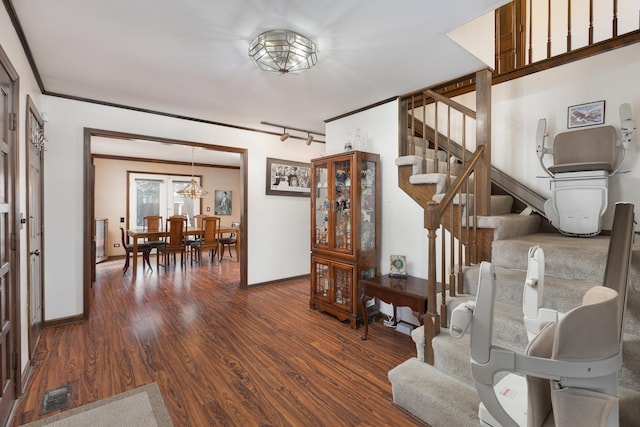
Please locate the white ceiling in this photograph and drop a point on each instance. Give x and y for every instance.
(190, 58)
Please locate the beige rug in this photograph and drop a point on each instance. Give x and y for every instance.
(140, 407)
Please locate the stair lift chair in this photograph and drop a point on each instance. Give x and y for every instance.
(570, 367)
(583, 161)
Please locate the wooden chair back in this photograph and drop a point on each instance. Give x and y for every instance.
(198, 220)
(175, 227)
(153, 223)
(210, 230)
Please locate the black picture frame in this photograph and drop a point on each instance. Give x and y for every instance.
(288, 178)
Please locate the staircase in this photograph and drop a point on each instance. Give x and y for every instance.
(443, 394)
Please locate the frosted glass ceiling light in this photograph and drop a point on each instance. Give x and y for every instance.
(284, 51)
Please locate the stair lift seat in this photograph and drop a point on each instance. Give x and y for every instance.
(570, 367)
(583, 161)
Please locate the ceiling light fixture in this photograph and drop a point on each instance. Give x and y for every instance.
(286, 135)
(193, 190)
(284, 51)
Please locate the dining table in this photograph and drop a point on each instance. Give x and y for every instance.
(141, 233)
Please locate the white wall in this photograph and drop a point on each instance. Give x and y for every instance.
(402, 218)
(518, 105)
(274, 221)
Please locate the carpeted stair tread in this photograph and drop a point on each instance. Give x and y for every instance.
(501, 204)
(509, 226)
(559, 293)
(433, 396)
(568, 257)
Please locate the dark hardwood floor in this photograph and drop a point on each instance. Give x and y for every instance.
(220, 355)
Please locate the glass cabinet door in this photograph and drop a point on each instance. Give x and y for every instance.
(321, 280)
(342, 206)
(321, 204)
(342, 285)
(367, 205)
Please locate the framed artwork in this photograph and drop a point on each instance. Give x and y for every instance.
(287, 178)
(398, 266)
(588, 114)
(223, 202)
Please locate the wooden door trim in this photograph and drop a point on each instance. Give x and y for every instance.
(89, 200)
(33, 109)
(14, 224)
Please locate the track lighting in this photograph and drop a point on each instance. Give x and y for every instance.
(286, 135)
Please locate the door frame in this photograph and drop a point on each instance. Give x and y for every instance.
(89, 200)
(14, 226)
(32, 109)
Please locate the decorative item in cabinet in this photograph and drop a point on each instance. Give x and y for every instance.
(345, 230)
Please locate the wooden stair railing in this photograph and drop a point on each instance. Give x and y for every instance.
(467, 181)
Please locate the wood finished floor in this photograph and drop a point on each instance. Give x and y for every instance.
(220, 355)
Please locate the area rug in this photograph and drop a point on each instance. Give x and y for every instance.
(140, 407)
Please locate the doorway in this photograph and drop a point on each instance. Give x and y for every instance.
(35, 244)
(89, 184)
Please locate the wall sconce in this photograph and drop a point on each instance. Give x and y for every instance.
(38, 138)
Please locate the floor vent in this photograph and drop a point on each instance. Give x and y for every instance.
(57, 398)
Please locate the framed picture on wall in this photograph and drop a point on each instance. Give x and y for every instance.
(223, 205)
(287, 178)
(588, 114)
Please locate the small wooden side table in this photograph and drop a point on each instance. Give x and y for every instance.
(401, 292)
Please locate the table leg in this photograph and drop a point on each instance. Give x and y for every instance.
(363, 302)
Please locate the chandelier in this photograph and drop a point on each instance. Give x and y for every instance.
(284, 51)
(192, 190)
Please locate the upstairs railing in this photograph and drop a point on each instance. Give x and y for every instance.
(535, 35)
(429, 124)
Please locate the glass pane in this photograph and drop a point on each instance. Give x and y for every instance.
(343, 287)
(342, 191)
(322, 280)
(147, 199)
(322, 206)
(182, 205)
(368, 206)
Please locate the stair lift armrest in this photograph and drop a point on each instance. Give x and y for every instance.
(560, 369)
(461, 319)
(541, 150)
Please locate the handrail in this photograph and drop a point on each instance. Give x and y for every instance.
(418, 117)
(451, 103)
(457, 184)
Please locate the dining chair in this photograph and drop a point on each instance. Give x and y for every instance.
(198, 224)
(143, 248)
(227, 242)
(174, 243)
(208, 239)
(154, 223)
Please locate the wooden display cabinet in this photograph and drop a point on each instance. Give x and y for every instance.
(345, 230)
